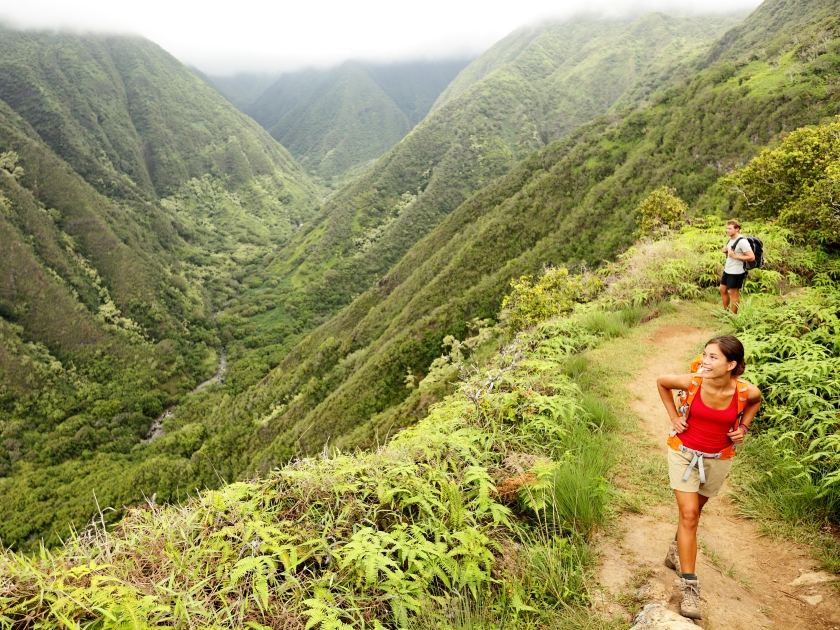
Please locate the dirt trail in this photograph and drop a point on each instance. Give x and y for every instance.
(754, 588)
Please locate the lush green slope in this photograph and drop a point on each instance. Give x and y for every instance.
(556, 83)
(282, 96)
(345, 121)
(243, 88)
(336, 121)
(415, 85)
(366, 227)
(131, 119)
(107, 288)
(485, 509)
(571, 203)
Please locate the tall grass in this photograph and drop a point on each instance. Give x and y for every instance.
(577, 499)
(773, 487)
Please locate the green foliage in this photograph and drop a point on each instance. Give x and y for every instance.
(661, 211)
(343, 540)
(797, 182)
(336, 122)
(794, 354)
(774, 486)
(555, 293)
(578, 497)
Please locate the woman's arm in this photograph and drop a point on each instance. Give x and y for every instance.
(665, 384)
(753, 403)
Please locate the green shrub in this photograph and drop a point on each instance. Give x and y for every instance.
(661, 212)
(797, 182)
(553, 294)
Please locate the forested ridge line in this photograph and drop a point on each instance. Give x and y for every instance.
(358, 377)
(572, 203)
(489, 505)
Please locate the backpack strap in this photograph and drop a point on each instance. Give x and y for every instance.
(743, 389)
(734, 245)
(687, 396)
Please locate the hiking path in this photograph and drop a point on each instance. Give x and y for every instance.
(748, 580)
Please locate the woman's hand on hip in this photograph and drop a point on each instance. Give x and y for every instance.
(679, 423)
(737, 436)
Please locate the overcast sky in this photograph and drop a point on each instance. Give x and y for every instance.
(250, 35)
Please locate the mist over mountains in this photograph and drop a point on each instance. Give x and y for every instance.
(336, 121)
(329, 233)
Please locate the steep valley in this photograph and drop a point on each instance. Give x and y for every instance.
(128, 219)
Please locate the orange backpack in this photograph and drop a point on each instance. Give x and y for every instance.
(687, 397)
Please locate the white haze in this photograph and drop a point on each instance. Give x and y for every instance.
(248, 35)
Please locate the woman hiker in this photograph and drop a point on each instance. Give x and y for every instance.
(702, 444)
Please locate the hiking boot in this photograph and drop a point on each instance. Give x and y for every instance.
(672, 560)
(690, 604)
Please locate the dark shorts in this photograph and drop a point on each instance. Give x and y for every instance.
(733, 280)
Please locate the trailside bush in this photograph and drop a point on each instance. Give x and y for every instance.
(553, 294)
(797, 182)
(660, 212)
(793, 356)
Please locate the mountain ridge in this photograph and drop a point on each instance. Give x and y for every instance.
(337, 120)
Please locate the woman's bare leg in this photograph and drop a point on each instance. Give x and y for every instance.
(690, 505)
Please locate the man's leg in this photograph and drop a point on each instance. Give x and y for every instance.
(735, 299)
(724, 296)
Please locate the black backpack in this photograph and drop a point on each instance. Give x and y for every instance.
(757, 248)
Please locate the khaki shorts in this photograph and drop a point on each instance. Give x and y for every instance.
(717, 470)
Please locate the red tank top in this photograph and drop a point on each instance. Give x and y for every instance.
(707, 427)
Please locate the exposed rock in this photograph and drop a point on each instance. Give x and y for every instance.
(812, 599)
(654, 592)
(657, 617)
(818, 577)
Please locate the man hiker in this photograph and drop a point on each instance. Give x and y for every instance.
(738, 252)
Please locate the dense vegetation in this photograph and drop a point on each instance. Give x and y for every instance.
(553, 83)
(484, 510)
(365, 228)
(337, 122)
(572, 203)
(376, 366)
(107, 288)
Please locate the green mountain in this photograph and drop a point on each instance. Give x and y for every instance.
(335, 122)
(281, 97)
(130, 118)
(366, 228)
(571, 203)
(329, 335)
(131, 196)
(344, 122)
(242, 88)
(415, 85)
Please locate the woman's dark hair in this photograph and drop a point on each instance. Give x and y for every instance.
(733, 350)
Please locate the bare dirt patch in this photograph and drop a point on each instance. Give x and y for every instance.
(748, 581)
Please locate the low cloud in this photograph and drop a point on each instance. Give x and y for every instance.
(223, 38)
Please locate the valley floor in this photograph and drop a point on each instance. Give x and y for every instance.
(748, 580)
